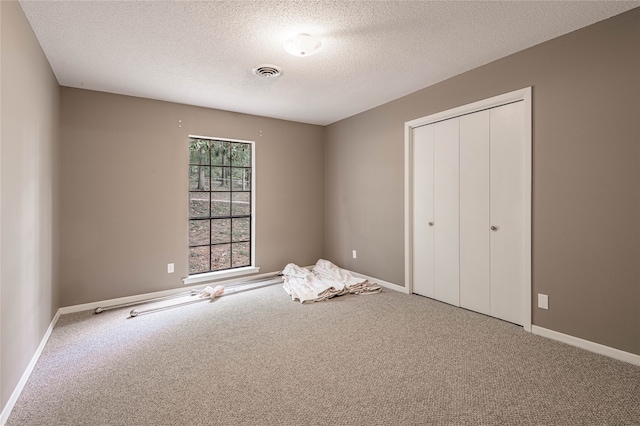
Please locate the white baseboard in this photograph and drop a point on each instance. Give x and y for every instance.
(383, 283)
(587, 345)
(6, 410)
(145, 296)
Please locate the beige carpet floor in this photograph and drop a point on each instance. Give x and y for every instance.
(258, 358)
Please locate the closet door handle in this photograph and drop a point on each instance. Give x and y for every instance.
(494, 228)
(430, 223)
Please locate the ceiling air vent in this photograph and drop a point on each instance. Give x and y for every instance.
(267, 71)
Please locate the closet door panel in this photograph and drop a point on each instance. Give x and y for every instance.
(423, 244)
(446, 212)
(475, 279)
(507, 158)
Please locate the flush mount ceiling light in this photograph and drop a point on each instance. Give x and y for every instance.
(302, 45)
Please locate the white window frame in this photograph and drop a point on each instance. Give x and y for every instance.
(246, 270)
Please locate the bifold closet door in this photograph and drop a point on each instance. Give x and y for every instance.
(469, 211)
(507, 198)
(435, 211)
(491, 212)
(446, 196)
(423, 243)
(475, 276)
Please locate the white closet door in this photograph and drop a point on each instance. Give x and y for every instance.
(475, 278)
(507, 179)
(446, 211)
(423, 244)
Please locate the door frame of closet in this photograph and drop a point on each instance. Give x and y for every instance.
(515, 96)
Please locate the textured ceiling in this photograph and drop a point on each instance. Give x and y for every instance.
(202, 53)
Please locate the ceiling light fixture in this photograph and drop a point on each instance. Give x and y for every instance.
(302, 45)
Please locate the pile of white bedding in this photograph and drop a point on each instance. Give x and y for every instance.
(323, 282)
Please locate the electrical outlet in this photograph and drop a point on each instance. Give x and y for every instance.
(354, 254)
(169, 268)
(543, 301)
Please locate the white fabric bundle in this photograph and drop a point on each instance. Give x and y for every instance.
(330, 272)
(304, 285)
(325, 281)
(212, 293)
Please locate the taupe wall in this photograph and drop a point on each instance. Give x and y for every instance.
(125, 191)
(29, 166)
(586, 177)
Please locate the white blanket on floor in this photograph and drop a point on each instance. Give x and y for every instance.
(330, 272)
(302, 284)
(325, 281)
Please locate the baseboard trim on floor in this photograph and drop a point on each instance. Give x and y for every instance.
(145, 296)
(6, 410)
(383, 283)
(587, 345)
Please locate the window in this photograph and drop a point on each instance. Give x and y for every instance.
(220, 204)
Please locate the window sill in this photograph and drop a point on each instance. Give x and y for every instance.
(220, 275)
